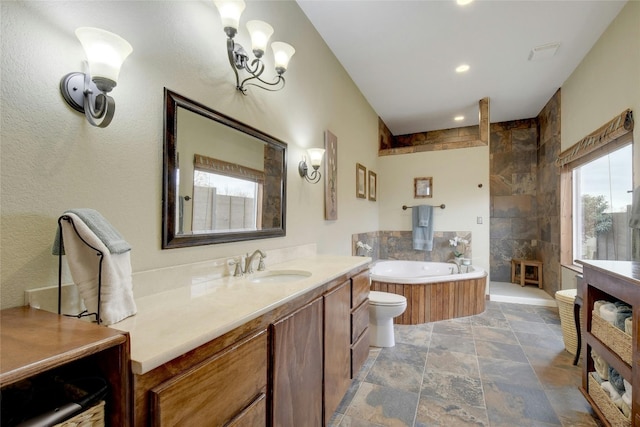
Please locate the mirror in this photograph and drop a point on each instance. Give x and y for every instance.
(223, 181)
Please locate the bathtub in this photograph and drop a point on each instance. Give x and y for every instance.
(434, 290)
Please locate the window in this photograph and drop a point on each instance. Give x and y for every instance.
(601, 206)
(596, 183)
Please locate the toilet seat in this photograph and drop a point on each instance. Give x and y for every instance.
(386, 299)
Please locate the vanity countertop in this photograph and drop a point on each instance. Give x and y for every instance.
(173, 322)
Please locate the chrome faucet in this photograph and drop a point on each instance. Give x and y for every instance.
(248, 262)
(457, 263)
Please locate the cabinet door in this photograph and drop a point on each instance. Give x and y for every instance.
(337, 347)
(297, 367)
(216, 391)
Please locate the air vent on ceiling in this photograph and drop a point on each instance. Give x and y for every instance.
(543, 52)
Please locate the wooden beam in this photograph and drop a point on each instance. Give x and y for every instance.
(484, 123)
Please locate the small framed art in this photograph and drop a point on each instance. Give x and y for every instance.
(373, 185)
(422, 187)
(361, 181)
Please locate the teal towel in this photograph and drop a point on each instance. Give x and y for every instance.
(422, 228)
(111, 238)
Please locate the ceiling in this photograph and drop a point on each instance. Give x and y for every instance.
(402, 55)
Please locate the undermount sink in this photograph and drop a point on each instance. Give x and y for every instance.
(280, 276)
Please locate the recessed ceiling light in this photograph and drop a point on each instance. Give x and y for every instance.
(462, 68)
(463, 2)
(458, 118)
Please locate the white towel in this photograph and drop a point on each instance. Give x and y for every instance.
(627, 396)
(117, 286)
(609, 312)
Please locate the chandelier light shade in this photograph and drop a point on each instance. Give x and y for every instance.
(282, 53)
(315, 160)
(230, 12)
(87, 92)
(260, 33)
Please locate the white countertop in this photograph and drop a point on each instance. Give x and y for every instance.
(175, 321)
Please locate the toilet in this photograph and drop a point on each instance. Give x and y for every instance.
(383, 307)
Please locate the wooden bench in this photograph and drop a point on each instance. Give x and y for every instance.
(526, 271)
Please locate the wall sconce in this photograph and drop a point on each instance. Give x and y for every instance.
(87, 92)
(230, 11)
(315, 158)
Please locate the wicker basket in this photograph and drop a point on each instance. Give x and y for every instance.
(565, 300)
(92, 417)
(610, 411)
(614, 338)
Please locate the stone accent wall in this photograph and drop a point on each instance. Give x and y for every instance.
(398, 245)
(513, 195)
(548, 195)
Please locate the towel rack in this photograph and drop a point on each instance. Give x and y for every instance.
(99, 253)
(405, 207)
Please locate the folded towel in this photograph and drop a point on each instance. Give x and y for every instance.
(627, 396)
(628, 326)
(624, 312)
(608, 312)
(597, 305)
(601, 366)
(634, 218)
(107, 234)
(116, 301)
(616, 380)
(612, 393)
(422, 228)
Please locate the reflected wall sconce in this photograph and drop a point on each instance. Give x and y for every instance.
(87, 92)
(230, 11)
(315, 159)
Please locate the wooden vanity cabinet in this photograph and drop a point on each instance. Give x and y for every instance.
(289, 367)
(359, 321)
(196, 397)
(337, 347)
(296, 371)
(37, 343)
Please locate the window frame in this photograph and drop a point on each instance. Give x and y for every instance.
(566, 195)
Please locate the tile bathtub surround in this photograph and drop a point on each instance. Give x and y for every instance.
(505, 367)
(398, 245)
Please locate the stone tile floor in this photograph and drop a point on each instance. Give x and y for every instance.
(506, 367)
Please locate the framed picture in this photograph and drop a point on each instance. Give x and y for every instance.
(373, 185)
(361, 181)
(422, 187)
(331, 176)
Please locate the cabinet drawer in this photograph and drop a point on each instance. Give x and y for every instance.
(215, 391)
(359, 353)
(360, 285)
(359, 320)
(254, 415)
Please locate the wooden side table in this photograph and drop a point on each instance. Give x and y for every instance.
(526, 271)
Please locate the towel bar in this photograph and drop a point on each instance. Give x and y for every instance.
(405, 207)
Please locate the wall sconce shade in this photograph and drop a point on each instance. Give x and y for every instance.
(230, 11)
(87, 92)
(260, 33)
(315, 159)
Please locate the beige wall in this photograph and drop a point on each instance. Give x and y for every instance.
(456, 176)
(53, 160)
(606, 82)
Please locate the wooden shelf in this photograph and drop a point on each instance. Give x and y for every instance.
(34, 341)
(611, 280)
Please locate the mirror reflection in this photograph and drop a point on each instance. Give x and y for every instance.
(224, 181)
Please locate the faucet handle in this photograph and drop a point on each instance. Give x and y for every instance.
(261, 266)
(238, 270)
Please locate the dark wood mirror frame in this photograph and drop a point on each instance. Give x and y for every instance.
(171, 239)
